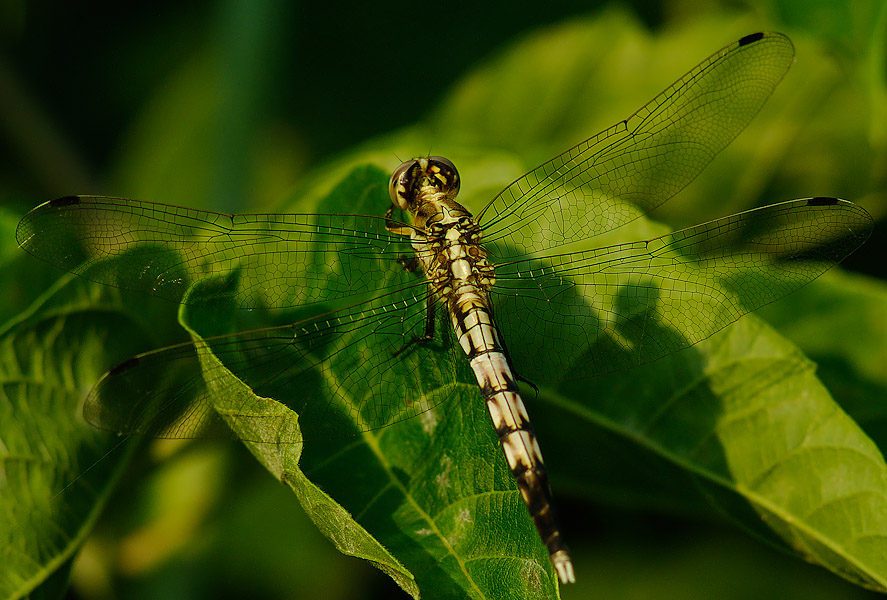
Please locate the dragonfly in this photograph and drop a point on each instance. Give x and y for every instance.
(387, 307)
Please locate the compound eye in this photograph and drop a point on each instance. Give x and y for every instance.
(443, 162)
(399, 184)
(446, 175)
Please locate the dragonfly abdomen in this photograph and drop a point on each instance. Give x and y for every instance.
(480, 341)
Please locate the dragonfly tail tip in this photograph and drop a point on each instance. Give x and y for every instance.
(563, 565)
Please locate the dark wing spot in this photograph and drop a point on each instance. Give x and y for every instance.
(822, 201)
(65, 201)
(124, 366)
(750, 39)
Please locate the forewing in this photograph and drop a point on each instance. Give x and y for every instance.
(581, 314)
(283, 260)
(641, 161)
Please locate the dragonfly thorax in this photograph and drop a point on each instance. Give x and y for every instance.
(444, 235)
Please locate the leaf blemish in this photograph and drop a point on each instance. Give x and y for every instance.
(460, 529)
(442, 479)
(429, 421)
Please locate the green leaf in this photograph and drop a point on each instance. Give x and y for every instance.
(840, 321)
(282, 459)
(57, 472)
(434, 515)
(737, 426)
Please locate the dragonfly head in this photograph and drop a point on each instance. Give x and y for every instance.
(421, 180)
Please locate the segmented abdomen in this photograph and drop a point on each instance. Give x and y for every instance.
(480, 341)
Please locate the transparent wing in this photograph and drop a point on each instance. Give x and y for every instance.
(643, 160)
(344, 372)
(283, 260)
(578, 315)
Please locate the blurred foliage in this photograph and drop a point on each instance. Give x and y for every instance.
(227, 105)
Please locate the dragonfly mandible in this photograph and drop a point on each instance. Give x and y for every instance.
(508, 282)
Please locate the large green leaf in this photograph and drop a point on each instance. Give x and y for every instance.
(737, 426)
(841, 323)
(57, 472)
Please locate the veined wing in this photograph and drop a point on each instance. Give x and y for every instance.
(343, 372)
(283, 260)
(616, 307)
(643, 160)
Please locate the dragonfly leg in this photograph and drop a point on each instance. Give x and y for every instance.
(428, 336)
(392, 226)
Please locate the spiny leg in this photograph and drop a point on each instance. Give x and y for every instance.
(411, 264)
(393, 226)
(428, 336)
